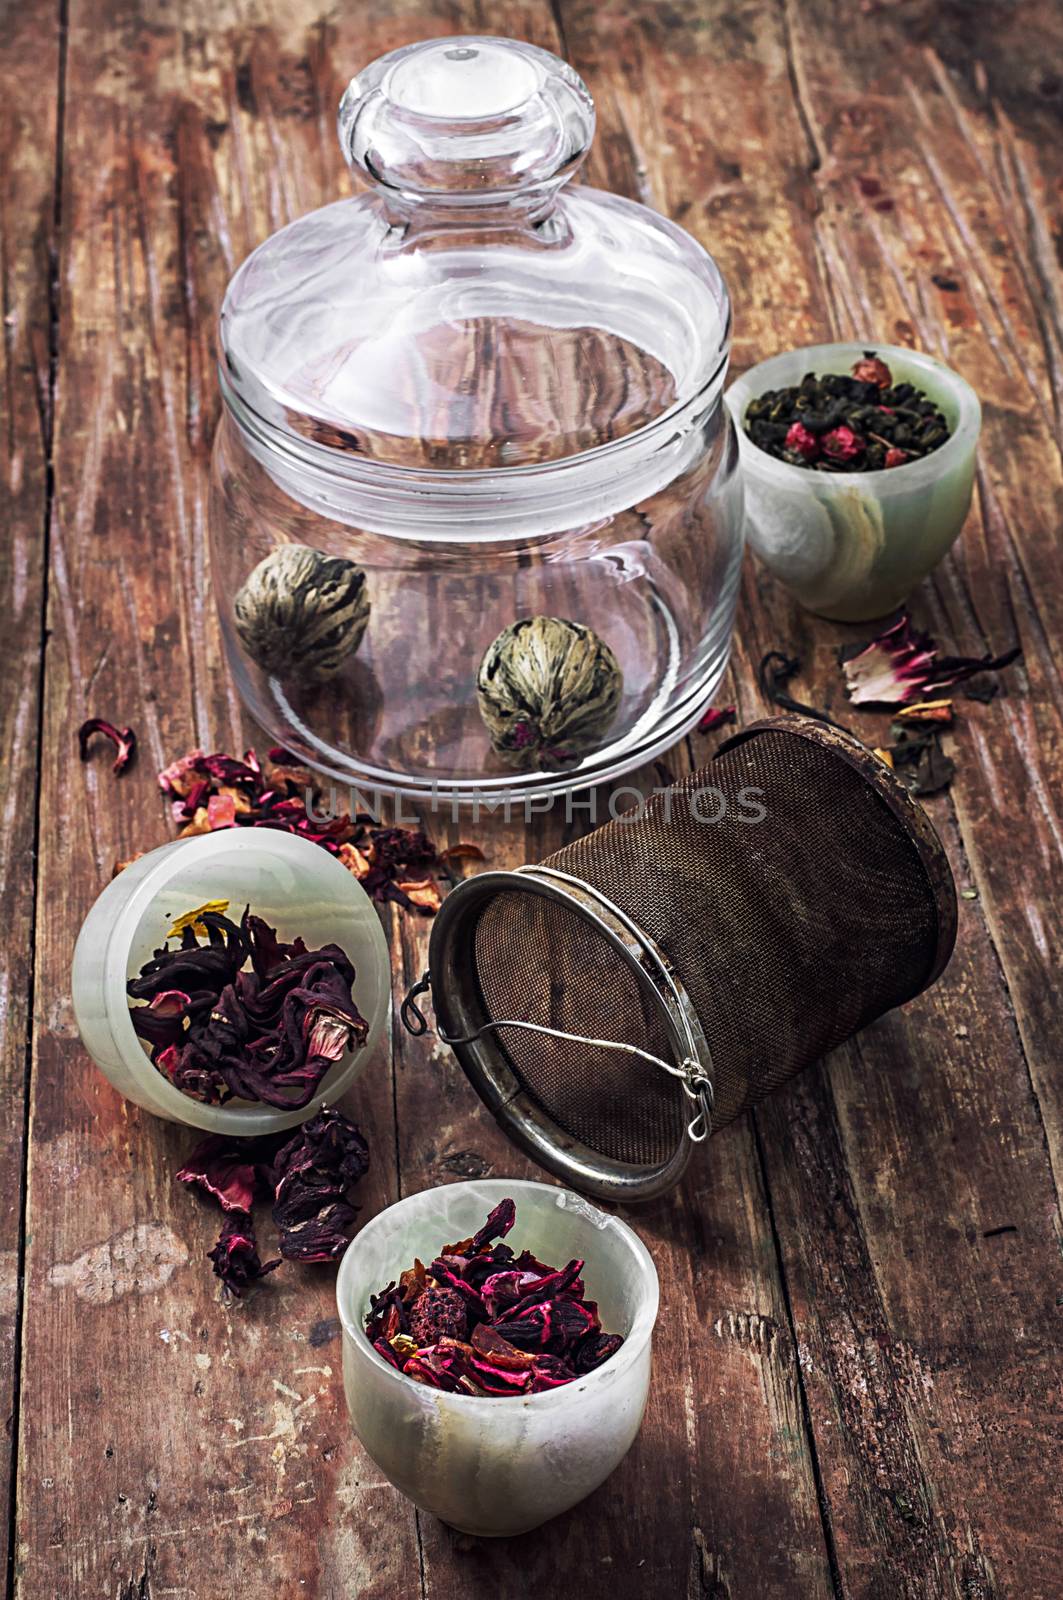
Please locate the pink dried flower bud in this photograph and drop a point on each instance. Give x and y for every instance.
(842, 444)
(871, 370)
(801, 442)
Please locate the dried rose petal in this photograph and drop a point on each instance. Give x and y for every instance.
(123, 739)
(235, 1256)
(842, 444)
(801, 442)
(873, 370)
(894, 457)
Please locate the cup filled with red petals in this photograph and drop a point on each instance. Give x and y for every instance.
(496, 1349)
(236, 981)
(858, 466)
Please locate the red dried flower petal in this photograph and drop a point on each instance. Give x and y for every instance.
(221, 811)
(801, 442)
(123, 739)
(717, 717)
(901, 665)
(235, 1256)
(895, 457)
(873, 370)
(311, 1175)
(842, 444)
(226, 1169)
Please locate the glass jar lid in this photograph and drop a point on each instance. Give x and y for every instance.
(465, 312)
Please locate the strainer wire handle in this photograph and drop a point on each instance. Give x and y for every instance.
(690, 1071)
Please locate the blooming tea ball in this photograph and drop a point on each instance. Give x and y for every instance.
(548, 690)
(302, 613)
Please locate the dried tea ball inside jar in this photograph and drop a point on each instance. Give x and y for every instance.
(302, 613)
(548, 689)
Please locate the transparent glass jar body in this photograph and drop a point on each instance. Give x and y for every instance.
(656, 577)
(500, 398)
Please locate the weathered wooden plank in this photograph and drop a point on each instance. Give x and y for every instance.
(229, 119)
(30, 66)
(912, 1507)
(169, 1445)
(884, 1185)
(724, 1430)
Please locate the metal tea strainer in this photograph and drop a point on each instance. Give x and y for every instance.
(642, 987)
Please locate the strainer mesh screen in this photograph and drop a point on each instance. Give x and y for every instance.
(788, 934)
(542, 963)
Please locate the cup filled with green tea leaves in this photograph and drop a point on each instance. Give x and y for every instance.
(496, 1349)
(858, 466)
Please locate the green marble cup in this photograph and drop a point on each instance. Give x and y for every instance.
(852, 546)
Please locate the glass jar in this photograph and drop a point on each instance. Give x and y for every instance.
(496, 398)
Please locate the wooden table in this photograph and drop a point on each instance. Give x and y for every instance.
(853, 1391)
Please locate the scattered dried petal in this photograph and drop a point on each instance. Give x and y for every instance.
(717, 717)
(123, 739)
(227, 1169)
(901, 665)
(312, 1174)
(235, 1256)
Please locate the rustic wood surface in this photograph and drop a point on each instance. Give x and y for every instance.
(855, 1390)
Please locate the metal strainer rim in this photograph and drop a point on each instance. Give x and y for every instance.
(460, 1009)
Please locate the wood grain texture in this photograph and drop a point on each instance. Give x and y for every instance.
(29, 58)
(853, 1389)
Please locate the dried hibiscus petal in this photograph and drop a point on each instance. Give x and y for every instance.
(552, 1325)
(902, 665)
(311, 1176)
(593, 1349)
(235, 1256)
(484, 1321)
(227, 1169)
(123, 739)
(270, 1034)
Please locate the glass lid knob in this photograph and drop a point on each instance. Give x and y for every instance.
(461, 119)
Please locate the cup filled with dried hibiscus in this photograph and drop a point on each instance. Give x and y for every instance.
(496, 1349)
(236, 981)
(858, 466)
